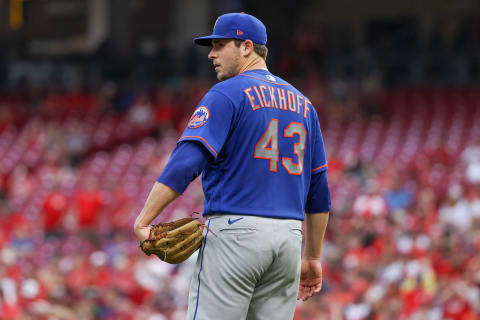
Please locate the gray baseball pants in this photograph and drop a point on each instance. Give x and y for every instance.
(248, 267)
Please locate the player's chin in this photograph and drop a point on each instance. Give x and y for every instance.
(221, 76)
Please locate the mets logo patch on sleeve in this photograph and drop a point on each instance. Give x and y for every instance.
(199, 118)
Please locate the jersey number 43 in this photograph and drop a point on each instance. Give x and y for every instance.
(267, 147)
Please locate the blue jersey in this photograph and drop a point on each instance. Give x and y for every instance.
(265, 139)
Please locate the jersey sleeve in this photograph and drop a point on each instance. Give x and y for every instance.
(318, 199)
(185, 164)
(319, 157)
(210, 123)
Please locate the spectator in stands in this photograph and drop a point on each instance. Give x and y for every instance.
(55, 206)
(398, 197)
(88, 204)
(455, 211)
(371, 204)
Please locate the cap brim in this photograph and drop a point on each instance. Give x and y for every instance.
(207, 40)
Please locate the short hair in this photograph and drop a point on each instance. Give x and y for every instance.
(259, 49)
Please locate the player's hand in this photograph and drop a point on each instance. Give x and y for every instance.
(310, 278)
(142, 232)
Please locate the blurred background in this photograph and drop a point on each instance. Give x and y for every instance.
(94, 94)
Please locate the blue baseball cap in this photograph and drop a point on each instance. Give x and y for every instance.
(240, 26)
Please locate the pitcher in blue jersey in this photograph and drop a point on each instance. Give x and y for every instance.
(257, 141)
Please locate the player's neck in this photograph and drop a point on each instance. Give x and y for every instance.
(253, 64)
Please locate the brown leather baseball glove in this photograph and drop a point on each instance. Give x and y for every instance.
(175, 241)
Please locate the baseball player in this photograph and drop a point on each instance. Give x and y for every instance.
(257, 141)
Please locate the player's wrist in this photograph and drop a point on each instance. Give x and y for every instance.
(140, 226)
(142, 232)
(312, 256)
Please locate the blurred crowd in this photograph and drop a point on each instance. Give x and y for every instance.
(400, 248)
(75, 172)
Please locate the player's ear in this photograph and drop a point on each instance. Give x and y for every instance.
(247, 47)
